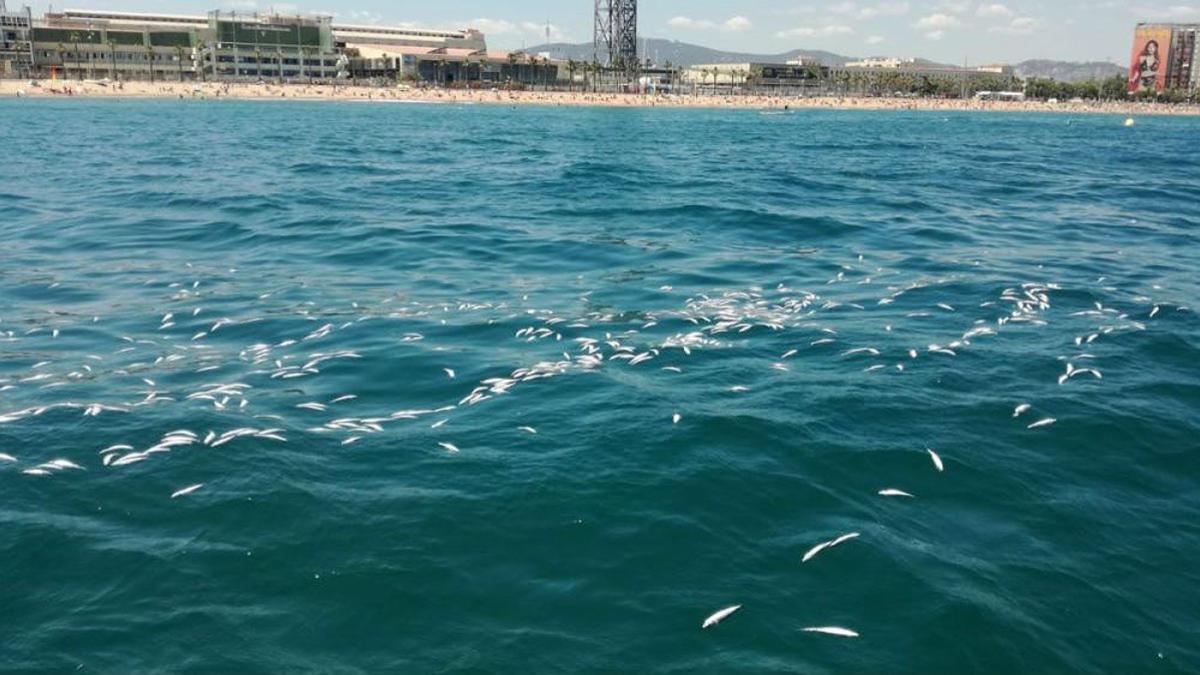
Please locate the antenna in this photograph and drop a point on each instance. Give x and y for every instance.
(615, 32)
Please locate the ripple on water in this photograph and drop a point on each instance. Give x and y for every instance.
(819, 298)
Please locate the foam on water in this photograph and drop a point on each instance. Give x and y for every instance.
(395, 388)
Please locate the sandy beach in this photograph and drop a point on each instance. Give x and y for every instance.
(302, 92)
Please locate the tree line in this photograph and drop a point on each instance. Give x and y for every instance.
(1109, 89)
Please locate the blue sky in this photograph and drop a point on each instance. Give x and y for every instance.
(977, 31)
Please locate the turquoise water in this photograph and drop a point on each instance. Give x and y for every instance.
(206, 283)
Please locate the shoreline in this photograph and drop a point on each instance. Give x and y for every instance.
(304, 92)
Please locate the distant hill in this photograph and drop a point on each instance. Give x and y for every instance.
(685, 54)
(1064, 71)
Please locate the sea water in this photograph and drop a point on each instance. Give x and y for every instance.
(539, 390)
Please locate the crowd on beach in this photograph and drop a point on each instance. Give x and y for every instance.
(345, 92)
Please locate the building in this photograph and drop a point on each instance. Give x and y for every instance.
(402, 53)
(449, 66)
(1165, 58)
(271, 47)
(229, 46)
(385, 37)
(926, 69)
(892, 63)
(790, 77)
(16, 45)
(221, 46)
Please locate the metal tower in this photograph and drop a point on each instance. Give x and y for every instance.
(616, 33)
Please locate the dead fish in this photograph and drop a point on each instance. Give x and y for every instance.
(719, 616)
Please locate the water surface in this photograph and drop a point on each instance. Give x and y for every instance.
(820, 297)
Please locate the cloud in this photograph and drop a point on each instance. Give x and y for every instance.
(883, 9)
(370, 18)
(501, 27)
(868, 12)
(737, 24)
(935, 35)
(492, 26)
(954, 7)
(994, 11)
(937, 22)
(1022, 25)
(689, 23)
(875, 40)
(732, 25)
(811, 32)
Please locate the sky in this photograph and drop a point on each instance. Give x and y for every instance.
(950, 31)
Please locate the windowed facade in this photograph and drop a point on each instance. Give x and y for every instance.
(94, 44)
(84, 44)
(17, 54)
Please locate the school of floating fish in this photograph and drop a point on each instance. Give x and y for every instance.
(182, 342)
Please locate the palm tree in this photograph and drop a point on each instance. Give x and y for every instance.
(512, 65)
(150, 61)
(75, 54)
(62, 56)
(483, 66)
(258, 61)
(112, 55)
(572, 66)
(279, 62)
(179, 60)
(203, 67)
(306, 53)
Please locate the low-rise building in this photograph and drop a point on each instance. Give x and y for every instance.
(16, 45)
(220, 46)
(454, 67)
(794, 76)
(230, 46)
(925, 68)
(877, 62)
(269, 48)
(387, 37)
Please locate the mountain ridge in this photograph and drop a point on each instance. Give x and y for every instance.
(687, 54)
(1068, 71)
